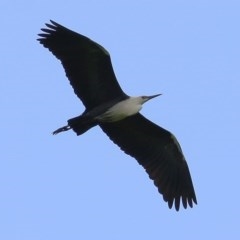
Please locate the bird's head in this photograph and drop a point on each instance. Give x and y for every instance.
(144, 99)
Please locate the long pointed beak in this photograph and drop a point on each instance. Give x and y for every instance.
(153, 96)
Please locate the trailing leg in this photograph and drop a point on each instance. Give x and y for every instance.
(62, 129)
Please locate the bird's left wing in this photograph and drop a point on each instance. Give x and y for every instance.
(158, 151)
(87, 65)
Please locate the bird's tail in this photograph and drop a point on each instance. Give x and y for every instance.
(78, 124)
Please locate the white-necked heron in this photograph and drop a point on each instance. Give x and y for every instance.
(90, 72)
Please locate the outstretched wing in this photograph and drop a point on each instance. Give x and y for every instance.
(87, 65)
(158, 151)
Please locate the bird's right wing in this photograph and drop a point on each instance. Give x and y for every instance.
(87, 65)
(158, 151)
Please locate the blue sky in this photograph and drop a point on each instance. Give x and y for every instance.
(69, 187)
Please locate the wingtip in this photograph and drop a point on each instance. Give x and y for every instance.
(177, 202)
(54, 24)
(45, 32)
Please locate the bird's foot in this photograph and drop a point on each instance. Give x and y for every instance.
(62, 129)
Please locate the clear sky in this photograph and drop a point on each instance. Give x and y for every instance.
(69, 187)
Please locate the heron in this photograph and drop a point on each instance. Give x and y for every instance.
(89, 69)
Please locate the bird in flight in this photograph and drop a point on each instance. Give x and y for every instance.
(89, 69)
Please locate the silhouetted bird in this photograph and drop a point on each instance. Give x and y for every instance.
(89, 70)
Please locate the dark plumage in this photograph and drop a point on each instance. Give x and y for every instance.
(90, 72)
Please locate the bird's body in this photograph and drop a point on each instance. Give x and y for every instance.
(109, 112)
(121, 110)
(89, 69)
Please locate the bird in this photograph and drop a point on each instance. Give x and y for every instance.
(89, 70)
